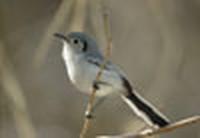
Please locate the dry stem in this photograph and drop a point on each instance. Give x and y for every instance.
(144, 134)
(86, 124)
(17, 101)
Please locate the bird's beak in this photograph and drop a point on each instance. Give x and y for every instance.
(62, 37)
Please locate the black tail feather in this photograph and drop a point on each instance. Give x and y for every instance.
(154, 116)
(149, 112)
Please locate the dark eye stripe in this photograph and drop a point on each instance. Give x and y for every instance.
(85, 46)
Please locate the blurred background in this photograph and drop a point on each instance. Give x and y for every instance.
(156, 42)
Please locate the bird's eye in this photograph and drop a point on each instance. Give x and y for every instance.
(75, 41)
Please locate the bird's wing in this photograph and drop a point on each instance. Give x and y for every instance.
(98, 62)
(109, 67)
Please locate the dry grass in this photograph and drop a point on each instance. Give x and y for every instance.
(60, 16)
(16, 99)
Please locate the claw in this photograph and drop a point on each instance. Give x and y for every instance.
(95, 85)
(88, 115)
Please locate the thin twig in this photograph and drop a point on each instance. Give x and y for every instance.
(86, 124)
(172, 127)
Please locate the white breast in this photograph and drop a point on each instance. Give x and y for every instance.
(76, 70)
(82, 74)
(69, 60)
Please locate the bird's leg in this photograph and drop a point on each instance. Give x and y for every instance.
(96, 86)
(97, 104)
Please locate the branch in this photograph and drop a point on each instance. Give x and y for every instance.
(172, 127)
(86, 124)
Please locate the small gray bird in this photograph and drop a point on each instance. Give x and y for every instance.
(83, 59)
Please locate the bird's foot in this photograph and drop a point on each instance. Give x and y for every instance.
(89, 115)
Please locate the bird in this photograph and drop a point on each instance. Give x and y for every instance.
(83, 59)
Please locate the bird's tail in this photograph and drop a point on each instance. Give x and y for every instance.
(144, 109)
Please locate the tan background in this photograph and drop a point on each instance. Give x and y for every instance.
(156, 42)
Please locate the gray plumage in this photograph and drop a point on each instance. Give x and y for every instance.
(83, 58)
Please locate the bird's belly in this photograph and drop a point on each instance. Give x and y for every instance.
(87, 88)
(81, 78)
(83, 81)
(85, 85)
